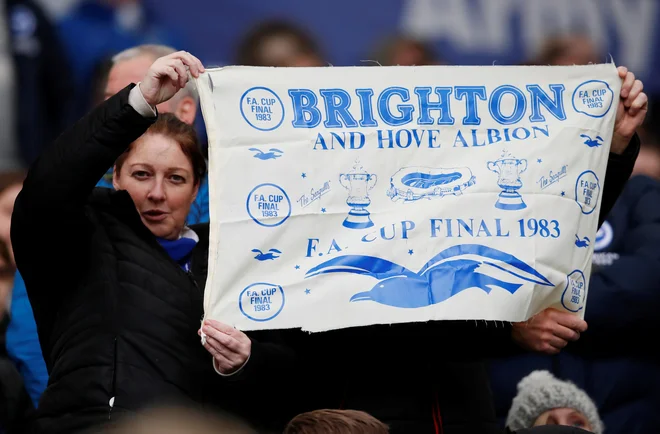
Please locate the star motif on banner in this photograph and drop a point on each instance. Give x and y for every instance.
(539, 161)
(304, 175)
(410, 252)
(322, 209)
(563, 193)
(297, 267)
(307, 291)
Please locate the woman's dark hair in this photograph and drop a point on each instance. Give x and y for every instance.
(249, 48)
(185, 135)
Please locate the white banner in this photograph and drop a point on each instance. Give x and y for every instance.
(368, 195)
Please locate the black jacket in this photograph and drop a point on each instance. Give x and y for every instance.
(421, 377)
(117, 318)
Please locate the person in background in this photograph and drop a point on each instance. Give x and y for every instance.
(568, 50)
(404, 51)
(96, 29)
(545, 400)
(22, 341)
(278, 43)
(7, 199)
(43, 77)
(115, 277)
(648, 162)
(9, 159)
(335, 421)
(129, 66)
(623, 299)
(437, 382)
(15, 405)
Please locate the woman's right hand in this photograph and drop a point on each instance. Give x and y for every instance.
(167, 75)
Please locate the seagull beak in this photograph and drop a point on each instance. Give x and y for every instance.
(361, 296)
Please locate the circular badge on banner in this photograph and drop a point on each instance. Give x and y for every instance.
(575, 292)
(262, 108)
(261, 301)
(593, 98)
(587, 190)
(268, 205)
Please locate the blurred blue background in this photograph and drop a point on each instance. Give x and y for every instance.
(460, 31)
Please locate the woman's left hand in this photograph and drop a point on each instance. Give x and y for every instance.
(229, 347)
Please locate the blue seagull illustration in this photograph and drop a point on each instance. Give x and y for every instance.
(272, 153)
(261, 256)
(592, 143)
(449, 272)
(582, 243)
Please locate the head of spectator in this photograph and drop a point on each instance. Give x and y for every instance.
(162, 171)
(648, 161)
(405, 51)
(568, 50)
(543, 399)
(278, 43)
(180, 420)
(335, 421)
(132, 64)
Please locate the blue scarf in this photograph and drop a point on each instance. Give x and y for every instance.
(179, 250)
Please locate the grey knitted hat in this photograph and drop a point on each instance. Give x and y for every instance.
(539, 392)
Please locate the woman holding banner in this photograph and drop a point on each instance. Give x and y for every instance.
(114, 282)
(116, 279)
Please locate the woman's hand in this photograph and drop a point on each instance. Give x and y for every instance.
(229, 347)
(631, 111)
(167, 75)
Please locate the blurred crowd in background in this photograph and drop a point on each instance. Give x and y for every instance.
(55, 59)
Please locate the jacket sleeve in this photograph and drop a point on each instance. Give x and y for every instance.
(269, 354)
(49, 228)
(619, 169)
(271, 368)
(624, 297)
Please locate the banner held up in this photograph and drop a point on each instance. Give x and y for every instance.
(354, 196)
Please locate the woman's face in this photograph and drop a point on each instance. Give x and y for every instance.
(564, 416)
(159, 178)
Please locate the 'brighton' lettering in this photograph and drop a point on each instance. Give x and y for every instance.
(424, 105)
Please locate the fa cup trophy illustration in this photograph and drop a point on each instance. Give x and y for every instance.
(358, 183)
(509, 170)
